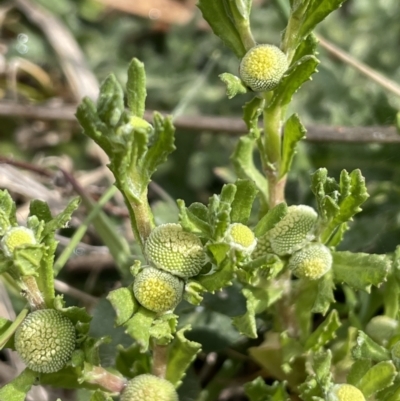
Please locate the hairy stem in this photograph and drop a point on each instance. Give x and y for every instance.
(105, 379)
(32, 293)
(160, 359)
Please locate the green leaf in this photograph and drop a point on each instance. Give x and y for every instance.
(294, 131)
(358, 370)
(242, 204)
(41, 210)
(193, 292)
(8, 215)
(131, 362)
(124, 304)
(322, 367)
(391, 393)
(293, 79)
(136, 88)
(194, 218)
(7, 328)
(181, 354)
(316, 12)
(258, 390)
(271, 219)
(377, 378)
(162, 145)
(220, 278)
(163, 328)
(325, 295)
(110, 103)
(138, 327)
(99, 395)
(221, 22)
(366, 348)
(17, 389)
(251, 113)
(234, 85)
(360, 270)
(27, 259)
(325, 332)
(308, 47)
(243, 162)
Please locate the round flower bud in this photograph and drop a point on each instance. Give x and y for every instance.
(176, 251)
(16, 236)
(241, 238)
(345, 392)
(157, 290)
(294, 231)
(45, 340)
(149, 388)
(311, 262)
(262, 67)
(382, 328)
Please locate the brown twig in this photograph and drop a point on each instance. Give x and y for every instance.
(227, 125)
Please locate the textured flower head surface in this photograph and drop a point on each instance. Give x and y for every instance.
(45, 340)
(262, 67)
(241, 238)
(157, 290)
(16, 236)
(176, 251)
(345, 392)
(149, 388)
(294, 231)
(311, 262)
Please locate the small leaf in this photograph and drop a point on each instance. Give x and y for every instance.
(136, 87)
(110, 103)
(242, 204)
(324, 296)
(294, 131)
(18, 388)
(271, 219)
(360, 270)
(217, 16)
(27, 259)
(325, 332)
(251, 113)
(138, 327)
(293, 79)
(41, 210)
(99, 395)
(124, 304)
(308, 47)
(163, 328)
(258, 390)
(181, 354)
(219, 279)
(131, 362)
(358, 370)
(8, 216)
(194, 218)
(234, 85)
(377, 378)
(366, 348)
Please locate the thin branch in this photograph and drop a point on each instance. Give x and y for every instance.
(227, 125)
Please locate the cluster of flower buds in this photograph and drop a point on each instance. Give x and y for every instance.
(175, 255)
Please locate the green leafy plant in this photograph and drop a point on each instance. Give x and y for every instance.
(286, 268)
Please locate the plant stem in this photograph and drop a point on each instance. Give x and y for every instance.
(32, 293)
(160, 359)
(105, 379)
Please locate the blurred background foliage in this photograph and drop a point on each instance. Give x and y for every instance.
(183, 61)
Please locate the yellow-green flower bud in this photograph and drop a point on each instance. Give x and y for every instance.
(311, 262)
(262, 67)
(149, 388)
(16, 236)
(176, 251)
(45, 340)
(345, 392)
(294, 231)
(157, 290)
(241, 238)
(382, 328)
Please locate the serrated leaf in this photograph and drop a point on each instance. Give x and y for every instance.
(27, 259)
(293, 79)
(391, 393)
(162, 145)
(325, 332)
(62, 219)
(99, 395)
(181, 354)
(251, 112)
(163, 328)
(242, 204)
(358, 370)
(124, 304)
(17, 389)
(138, 327)
(366, 348)
(194, 218)
(8, 215)
(360, 270)
(193, 292)
(131, 362)
(294, 131)
(220, 278)
(110, 103)
(258, 390)
(325, 295)
(234, 85)
(322, 367)
(136, 87)
(377, 378)
(316, 12)
(308, 47)
(216, 14)
(243, 162)
(41, 210)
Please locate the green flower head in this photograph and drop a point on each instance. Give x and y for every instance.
(262, 67)
(345, 392)
(15, 237)
(176, 251)
(241, 238)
